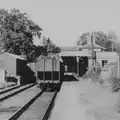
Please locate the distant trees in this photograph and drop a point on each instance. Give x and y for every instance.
(50, 47)
(47, 47)
(83, 39)
(110, 41)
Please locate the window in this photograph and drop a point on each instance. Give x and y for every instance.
(104, 62)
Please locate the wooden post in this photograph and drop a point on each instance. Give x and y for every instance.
(59, 71)
(36, 70)
(112, 47)
(92, 49)
(77, 65)
(52, 70)
(18, 80)
(44, 71)
(118, 64)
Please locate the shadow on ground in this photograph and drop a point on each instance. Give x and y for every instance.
(69, 78)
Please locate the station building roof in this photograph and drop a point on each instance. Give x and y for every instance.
(89, 46)
(69, 48)
(76, 53)
(78, 48)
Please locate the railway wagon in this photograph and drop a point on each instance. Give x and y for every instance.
(49, 72)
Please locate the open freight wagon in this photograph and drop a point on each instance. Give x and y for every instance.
(49, 72)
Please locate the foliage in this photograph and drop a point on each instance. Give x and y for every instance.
(41, 50)
(16, 33)
(46, 47)
(110, 41)
(101, 39)
(83, 39)
(50, 47)
(115, 84)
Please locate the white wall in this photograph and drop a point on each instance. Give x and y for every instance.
(110, 56)
(109, 60)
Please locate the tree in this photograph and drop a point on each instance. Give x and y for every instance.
(50, 47)
(46, 47)
(115, 41)
(102, 39)
(83, 39)
(113, 37)
(16, 33)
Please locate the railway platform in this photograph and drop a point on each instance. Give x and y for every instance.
(84, 100)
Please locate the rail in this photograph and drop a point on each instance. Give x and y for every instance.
(15, 92)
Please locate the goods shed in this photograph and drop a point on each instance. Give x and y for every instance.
(13, 64)
(16, 66)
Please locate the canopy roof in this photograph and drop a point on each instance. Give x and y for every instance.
(89, 46)
(76, 53)
(77, 48)
(69, 48)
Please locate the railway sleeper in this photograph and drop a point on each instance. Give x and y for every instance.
(49, 86)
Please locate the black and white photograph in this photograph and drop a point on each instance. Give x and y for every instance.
(59, 59)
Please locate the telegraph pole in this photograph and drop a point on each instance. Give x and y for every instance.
(92, 48)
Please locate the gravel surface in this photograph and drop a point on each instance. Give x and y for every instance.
(38, 108)
(10, 106)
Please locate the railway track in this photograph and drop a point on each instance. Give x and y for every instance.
(4, 95)
(29, 103)
(39, 107)
(32, 103)
(9, 106)
(9, 89)
(49, 108)
(21, 110)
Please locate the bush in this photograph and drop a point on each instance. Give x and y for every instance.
(115, 84)
(93, 73)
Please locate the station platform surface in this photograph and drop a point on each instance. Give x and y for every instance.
(85, 100)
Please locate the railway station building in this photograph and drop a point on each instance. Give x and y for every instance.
(79, 59)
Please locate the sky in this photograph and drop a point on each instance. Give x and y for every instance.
(65, 20)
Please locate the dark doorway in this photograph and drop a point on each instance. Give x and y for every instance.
(70, 67)
(83, 65)
(70, 64)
